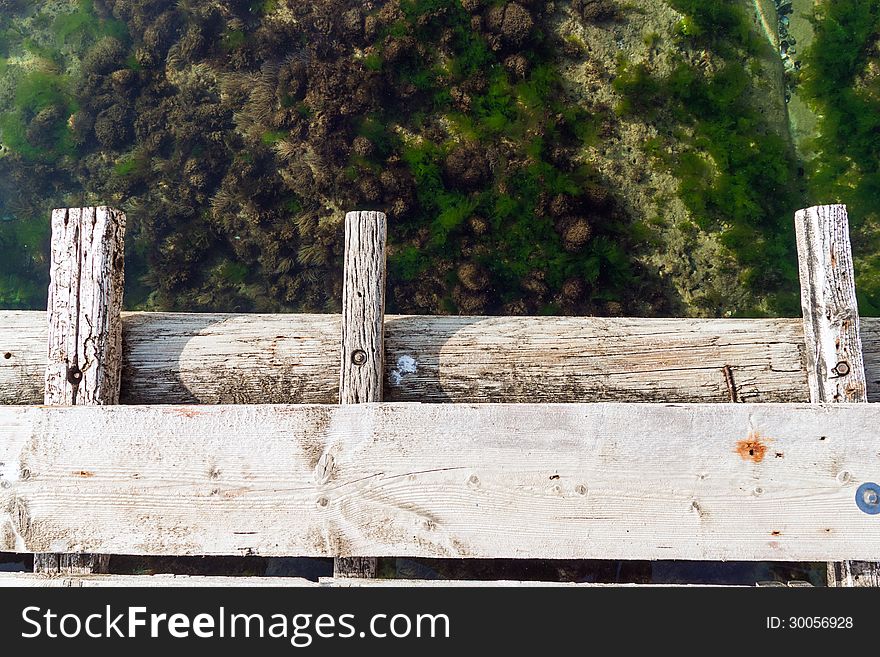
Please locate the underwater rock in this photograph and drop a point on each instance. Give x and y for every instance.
(362, 146)
(595, 10)
(41, 131)
(576, 234)
(572, 291)
(517, 65)
(512, 22)
(473, 276)
(123, 80)
(353, 22)
(466, 167)
(113, 127)
(469, 303)
(472, 6)
(107, 55)
(478, 225)
(560, 206)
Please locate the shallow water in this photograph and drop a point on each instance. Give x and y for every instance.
(572, 157)
(576, 157)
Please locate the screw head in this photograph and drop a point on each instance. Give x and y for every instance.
(359, 357)
(74, 375)
(842, 368)
(868, 498)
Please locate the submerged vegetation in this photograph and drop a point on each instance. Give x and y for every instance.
(735, 175)
(235, 134)
(842, 80)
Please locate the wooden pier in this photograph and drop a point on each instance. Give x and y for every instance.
(363, 435)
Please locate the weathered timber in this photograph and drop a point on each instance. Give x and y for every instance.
(361, 371)
(85, 329)
(172, 358)
(85, 302)
(726, 481)
(30, 580)
(835, 367)
(363, 308)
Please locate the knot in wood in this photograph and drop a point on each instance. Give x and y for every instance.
(359, 357)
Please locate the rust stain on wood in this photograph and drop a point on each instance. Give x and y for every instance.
(84, 473)
(731, 384)
(187, 412)
(752, 448)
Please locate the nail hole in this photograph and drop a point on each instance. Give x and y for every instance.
(7, 355)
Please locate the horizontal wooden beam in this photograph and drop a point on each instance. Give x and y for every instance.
(30, 580)
(210, 359)
(567, 481)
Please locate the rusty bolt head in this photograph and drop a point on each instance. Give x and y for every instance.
(359, 357)
(842, 368)
(74, 375)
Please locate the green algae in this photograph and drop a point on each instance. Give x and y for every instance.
(846, 168)
(737, 178)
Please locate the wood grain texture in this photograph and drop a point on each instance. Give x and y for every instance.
(363, 308)
(85, 329)
(363, 325)
(727, 481)
(85, 302)
(835, 367)
(29, 580)
(174, 358)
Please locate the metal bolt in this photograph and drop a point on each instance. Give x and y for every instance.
(359, 357)
(841, 369)
(74, 376)
(868, 498)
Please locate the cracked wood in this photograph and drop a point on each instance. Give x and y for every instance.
(835, 366)
(363, 324)
(174, 358)
(575, 481)
(85, 329)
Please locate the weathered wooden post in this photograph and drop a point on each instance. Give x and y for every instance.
(835, 367)
(85, 329)
(363, 318)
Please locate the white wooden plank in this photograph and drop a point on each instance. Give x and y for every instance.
(208, 358)
(835, 367)
(363, 345)
(619, 481)
(29, 580)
